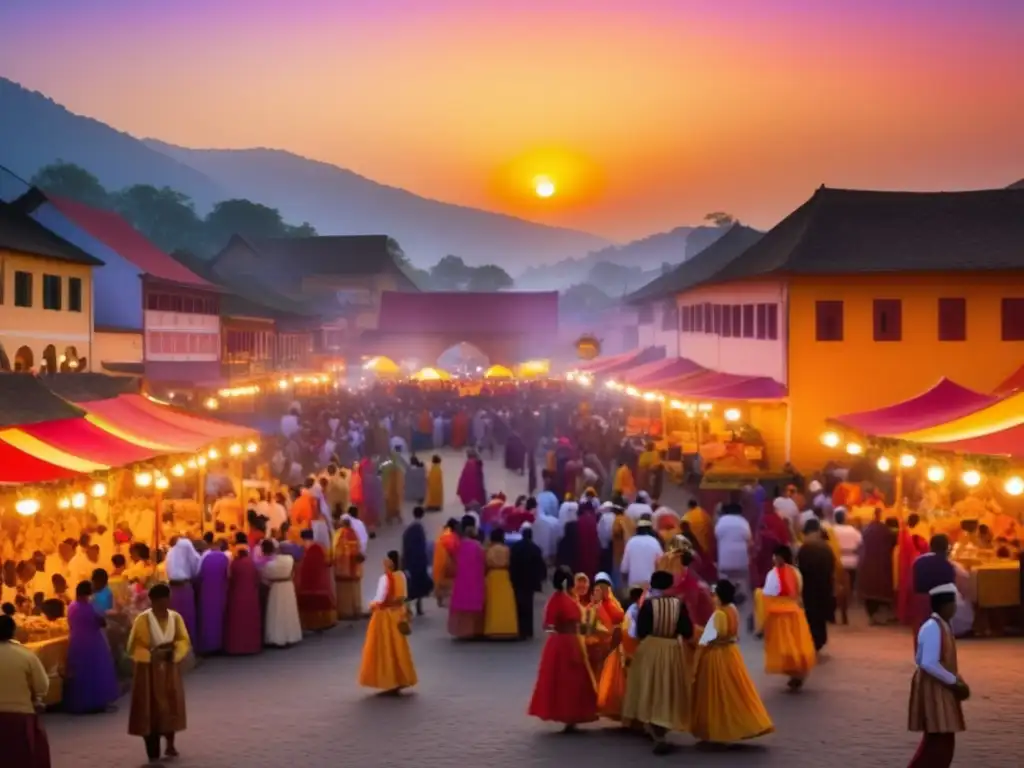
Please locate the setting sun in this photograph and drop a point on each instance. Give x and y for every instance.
(543, 186)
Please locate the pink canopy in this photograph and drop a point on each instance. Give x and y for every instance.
(713, 385)
(629, 360)
(943, 403)
(593, 366)
(1013, 383)
(662, 372)
(1005, 442)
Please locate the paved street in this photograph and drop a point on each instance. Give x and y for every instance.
(302, 706)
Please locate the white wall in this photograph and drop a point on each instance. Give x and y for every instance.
(747, 357)
(654, 334)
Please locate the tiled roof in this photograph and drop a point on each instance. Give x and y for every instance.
(471, 313)
(699, 267)
(24, 399)
(841, 231)
(20, 232)
(128, 242)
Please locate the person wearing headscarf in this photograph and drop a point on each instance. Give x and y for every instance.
(349, 556)
(726, 705)
(314, 587)
(612, 684)
(471, 486)
(445, 552)
(182, 567)
(875, 570)
(569, 534)
(466, 610)
(658, 688)
(937, 691)
(213, 598)
(434, 500)
(387, 662)
(282, 626)
(528, 572)
(788, 645)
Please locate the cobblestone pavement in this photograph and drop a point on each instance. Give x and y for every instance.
(303, 707)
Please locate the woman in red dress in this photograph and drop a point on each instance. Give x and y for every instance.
(566, 687)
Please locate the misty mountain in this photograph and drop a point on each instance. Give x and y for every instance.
(620, 269)
(36, 131)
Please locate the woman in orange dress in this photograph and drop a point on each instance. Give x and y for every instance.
(611, 688)
(443, 573)
(566, 689)
(788, 647)
(387, 663)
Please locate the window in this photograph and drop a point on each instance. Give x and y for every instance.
(737, 320)
(698, 318)
(23, 289)
(888, 314)
(670, 318)
(773, 321)
(646, 316)
(716, 319)
(828, 320)
(74, 294)
(686, 319)
(952, 319)
(52, 292)
(1013, 319)
(727, 321)
(761, 326)
(748, 321)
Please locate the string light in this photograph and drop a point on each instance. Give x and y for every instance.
(212, 403)
(143, 479)
(235, 449)
(98, 490)
(78, 500)
(883, 464)
(971, 478)
(650, 397)
(201, 461)
(26, 507)
(1014, 486)
(213, 454)
(191, 464)
(252, 446)
(830, 439)
(64, 503)
(936, 474)
(162, 483)
(177, 470)
(732, 414)
(908, 460)
(282, 384)
(854, 449)
(239, 391)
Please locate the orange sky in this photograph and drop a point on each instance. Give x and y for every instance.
(646, 114)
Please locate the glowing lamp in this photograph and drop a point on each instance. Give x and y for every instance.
(191, 464)
(201, 461)
(143, 479)
(936, 474)
(732, 414)
(971, 478)
(177, 470)
(583, 381)
(282, 384)
(212, 403)
(632, 391)
(908, 460)
(611, 384)
(64, 503)
(854, 449)
(572, 375)
(235, 449)
(705, 407)
(213, 454)
(162, 483)
(830, 439)
(676, 405)
(252, 446)
(1014, 486)
(650, 397)
(26, 507)
(98, 490)
(883, 464)
(78, 500)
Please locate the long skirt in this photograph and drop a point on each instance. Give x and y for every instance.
(524, 613)
(349, 597)
(24, 741)
(565, 691)
(611, 688)
(387, 663)
(500, 616)
(465, 625)
(91, 684)
(183, 602)
(158, 700)
(657, 691)
(788, 646)
(726, 705)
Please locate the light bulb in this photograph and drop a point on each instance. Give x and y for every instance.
(936, 474)
(191, 464)
(1014, 486)
(830, 439)
(854, 449)
(78, 500)
(884, 465)
(252, 446)
(201, 461)
(732, 414)
(64, 503)
(235, 449)
(213, 454)
(908, 460)
(98, 490)
(212, 403)
(26, 507)
(162, 483)
(177, 470)
(971, 478)
(143, 479)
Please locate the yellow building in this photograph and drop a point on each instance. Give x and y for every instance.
(45, 297)
(860, 299)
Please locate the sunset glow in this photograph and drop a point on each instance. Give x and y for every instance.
(544, 187)
(647, 115)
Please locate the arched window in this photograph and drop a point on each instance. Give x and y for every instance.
(24, 360)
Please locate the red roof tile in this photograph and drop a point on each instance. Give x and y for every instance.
(128, 242)
(477, 313)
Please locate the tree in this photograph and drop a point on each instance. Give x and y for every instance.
(583, 298)
(63, 179)
(720, 219)
(614, 277)
(450, 274)
(305, 229)
(165, 216)
(489, 277)
(242, 217)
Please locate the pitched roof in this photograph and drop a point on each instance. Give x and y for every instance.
(24, 399)
(469, 313)
(128, 242)
(326, 255)
(699, 267)
(1017, 185)
(20, 232)
(842, 231)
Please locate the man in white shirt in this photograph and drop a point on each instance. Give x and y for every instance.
(641, 554)
(734, 539)
(640, 507)
(290, 423)
(786, 508)
(850, 541)
(80, 568)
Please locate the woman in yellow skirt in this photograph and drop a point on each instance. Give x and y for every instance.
(778, 607)
(435, 487)
(387, 660)
(501, 621)
(611, 688)
(726, 705)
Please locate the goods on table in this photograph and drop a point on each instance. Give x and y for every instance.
(38, 629)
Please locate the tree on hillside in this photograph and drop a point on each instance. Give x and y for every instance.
(720, 219)
(450, 274)
(583, 298)
(165, 216)
(249, 219)
(614, 279)
(63, 179)
(489, 278)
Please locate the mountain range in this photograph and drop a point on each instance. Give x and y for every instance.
(36, 131)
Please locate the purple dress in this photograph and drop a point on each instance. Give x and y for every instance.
(213, 599)
(183, 602)
(91, 678)
(243, 633)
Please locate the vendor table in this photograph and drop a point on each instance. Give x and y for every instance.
(53, 654)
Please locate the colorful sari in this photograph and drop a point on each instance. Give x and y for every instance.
(314, 591)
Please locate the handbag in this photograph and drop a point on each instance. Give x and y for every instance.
(405, 625)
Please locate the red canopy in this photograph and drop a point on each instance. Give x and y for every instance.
(16, 466)
(593, 366)
(662, 373)
(943, 403)
(213, 429)
(136, 422)
(1013, 382)
(713, 385)
(636, 358)
(1005, 442)
(87, 441)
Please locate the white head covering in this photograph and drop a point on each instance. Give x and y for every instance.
(814, 486)
(526, 526)
(943, 589)
(568, 512)
(602, 577)
(643, 497)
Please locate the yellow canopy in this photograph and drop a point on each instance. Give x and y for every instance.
(533, 369)
(431, 374)
(382, 366)
(499, 372)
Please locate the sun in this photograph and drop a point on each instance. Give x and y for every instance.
(544, 187)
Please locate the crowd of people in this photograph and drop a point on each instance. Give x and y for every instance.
(636, 632)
